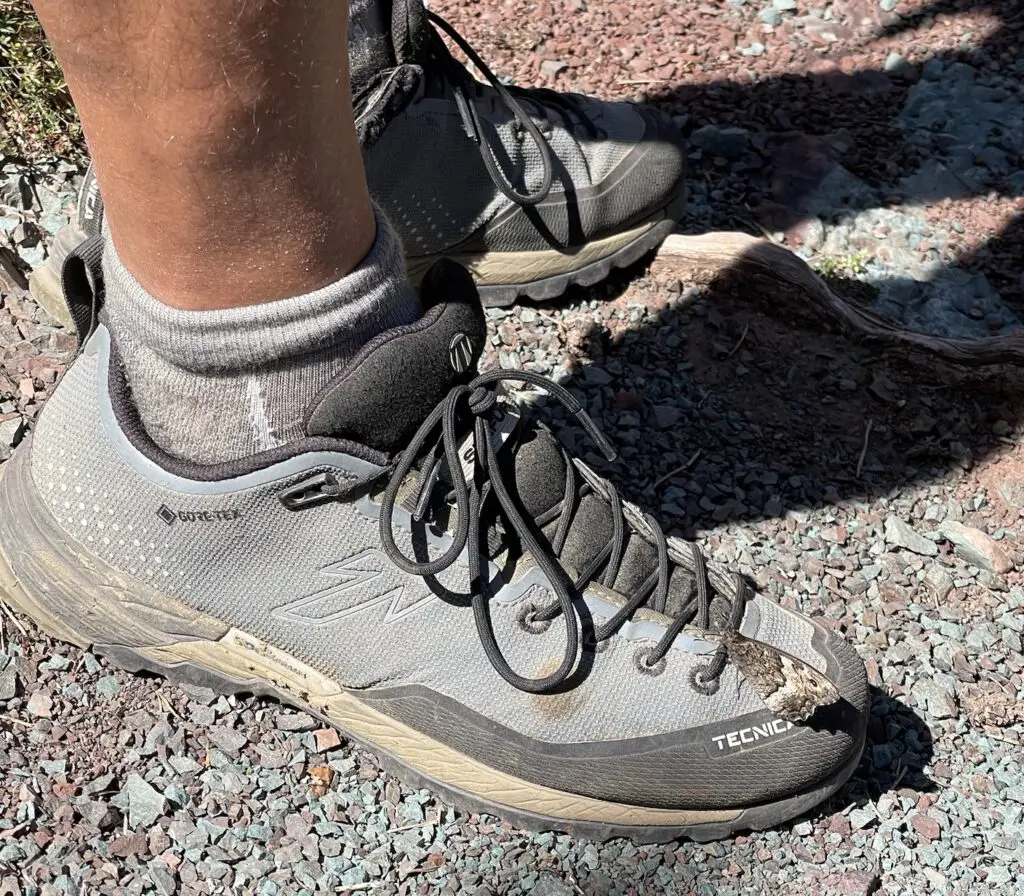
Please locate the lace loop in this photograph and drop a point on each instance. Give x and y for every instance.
(481, 480)
(481, 400)
(460, 81)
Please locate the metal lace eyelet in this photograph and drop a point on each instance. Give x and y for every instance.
(529, 622)
(642, 661)
(701, 682)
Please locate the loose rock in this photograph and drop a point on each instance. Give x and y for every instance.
(976, 547)
(145, 803)
(900, 534)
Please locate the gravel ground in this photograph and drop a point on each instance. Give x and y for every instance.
(877, 493)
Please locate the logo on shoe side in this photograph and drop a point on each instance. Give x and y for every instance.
(358, 583)
(196, 516)
(460, 352)
(743, 737)
(93, 207)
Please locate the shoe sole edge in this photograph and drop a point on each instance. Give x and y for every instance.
(615, 251)
(156, 633)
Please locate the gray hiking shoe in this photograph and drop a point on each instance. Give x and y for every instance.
(532, 190)
(430, 571)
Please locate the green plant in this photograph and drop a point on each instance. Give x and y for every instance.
(843, 266)
(37, 117)
(842, 273)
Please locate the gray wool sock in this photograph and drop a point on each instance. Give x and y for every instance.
(213, 386)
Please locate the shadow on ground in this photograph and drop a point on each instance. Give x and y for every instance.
(777, 406)
(825, 146)
(899, 747)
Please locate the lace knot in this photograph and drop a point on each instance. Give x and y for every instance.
(481, 400)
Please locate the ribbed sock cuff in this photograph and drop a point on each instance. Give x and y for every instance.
(213, 386)
(374, 297)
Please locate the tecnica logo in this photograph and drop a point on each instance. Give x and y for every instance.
(743, 737)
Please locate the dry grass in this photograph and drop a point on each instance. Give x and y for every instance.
(37, 118)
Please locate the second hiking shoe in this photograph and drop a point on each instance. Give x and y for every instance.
(531, 189)
(430, 571)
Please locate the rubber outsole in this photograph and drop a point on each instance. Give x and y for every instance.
(78, 599)
(551, 288)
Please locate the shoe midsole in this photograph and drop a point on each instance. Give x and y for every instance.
(78, 598)
(497, 268)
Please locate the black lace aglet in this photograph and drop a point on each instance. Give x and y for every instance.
(606, 447)
(467, 117)
(426, 490)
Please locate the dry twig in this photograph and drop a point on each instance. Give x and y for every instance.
(681, 468)
(864, 447)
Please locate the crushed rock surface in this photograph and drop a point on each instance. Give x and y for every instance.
(882, 494)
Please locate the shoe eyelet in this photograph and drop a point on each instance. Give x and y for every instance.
(642, 661)
(529, 622)
(702, 685)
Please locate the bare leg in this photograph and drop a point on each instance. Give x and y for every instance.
(223, 139)
(245, 265)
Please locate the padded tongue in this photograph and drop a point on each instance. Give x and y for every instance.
(410, 30)
(397, 379)
(384, 34)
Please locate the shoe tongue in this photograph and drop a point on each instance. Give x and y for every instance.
(398, 378)
(410, 30)
(384, 34)
(540, 483)
(369, 43)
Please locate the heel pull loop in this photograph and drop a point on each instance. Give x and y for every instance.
(81, 279)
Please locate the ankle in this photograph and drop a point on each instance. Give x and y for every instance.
(291, 258)
(214, 385)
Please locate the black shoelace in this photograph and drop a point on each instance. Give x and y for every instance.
(465, 89)
(471, 496)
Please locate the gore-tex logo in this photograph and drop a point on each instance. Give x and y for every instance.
(196, 516)
(742, 737)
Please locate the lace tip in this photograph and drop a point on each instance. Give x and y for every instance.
(608, 450)
(606, 447)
